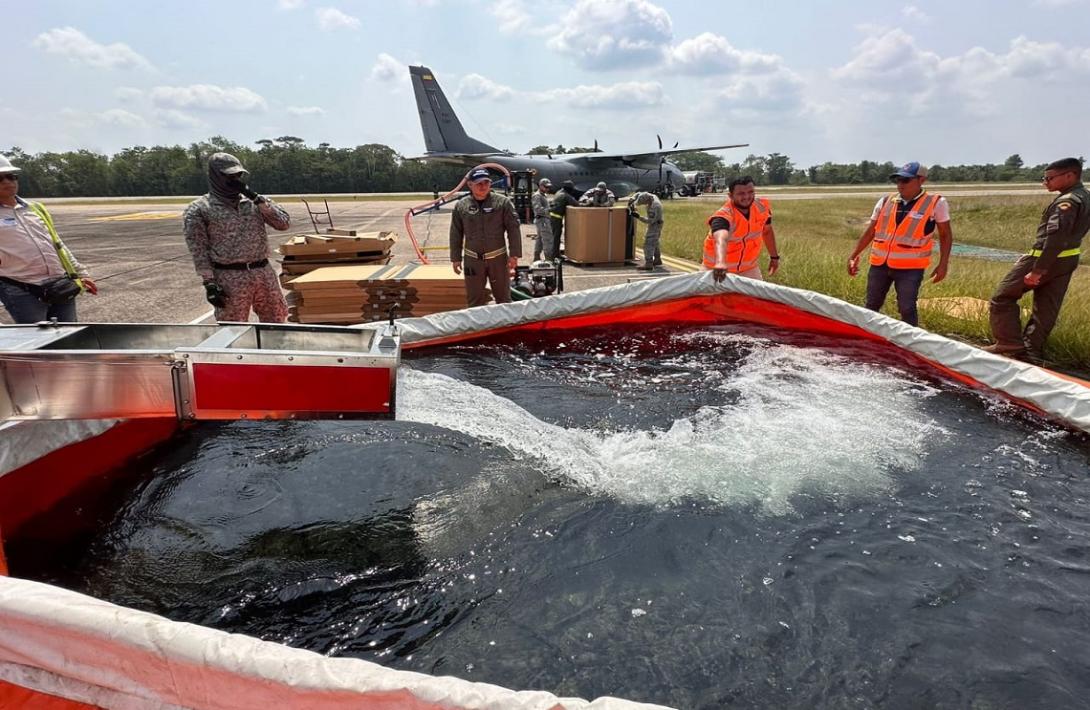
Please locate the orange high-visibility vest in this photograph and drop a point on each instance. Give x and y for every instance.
(904, 245)
(744, 243)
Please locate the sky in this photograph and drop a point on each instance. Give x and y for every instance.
(971, 81)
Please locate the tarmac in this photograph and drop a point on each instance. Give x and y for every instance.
(138, 258)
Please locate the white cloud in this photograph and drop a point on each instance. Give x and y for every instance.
(289, 4)
(515, 17)
(613, 96)
(628, 94)
(915, 14)
(330, 18)
(128, 94)
(209, 97)
(306, 110)
(893, 65)
(778, 93)
(712, 54)
(112, 117)
(81, 49)
(611, 34)
(172, 118)
(475, 86)
(387, 68)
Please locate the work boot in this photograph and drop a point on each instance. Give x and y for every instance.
(645, 267)
(1033, 357)
(1007, 350)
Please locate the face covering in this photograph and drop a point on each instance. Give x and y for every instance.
(226, 187)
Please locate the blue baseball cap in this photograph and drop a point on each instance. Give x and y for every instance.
(480, 174)
(910, 170)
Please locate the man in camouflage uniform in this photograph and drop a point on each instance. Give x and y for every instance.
(600, 196)
(652, 254)
(563, 199)
(539, 203)
(1046, 270)
(477, 229)
(225, 233)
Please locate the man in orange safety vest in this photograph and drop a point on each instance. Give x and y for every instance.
(901, 238)
(736, 232)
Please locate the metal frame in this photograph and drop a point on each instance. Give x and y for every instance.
(129, 370)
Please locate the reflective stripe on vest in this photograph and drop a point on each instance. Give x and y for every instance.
(62, 251)
(746, 236)
(1066, 252)
(904, 245)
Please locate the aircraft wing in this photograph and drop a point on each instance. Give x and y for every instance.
(469, 159)
(649, 160)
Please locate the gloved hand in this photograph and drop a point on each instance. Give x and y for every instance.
(256, 198)
(215, 294)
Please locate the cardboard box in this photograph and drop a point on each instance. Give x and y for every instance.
(595, 235)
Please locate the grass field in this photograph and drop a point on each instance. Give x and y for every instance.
(816, 237)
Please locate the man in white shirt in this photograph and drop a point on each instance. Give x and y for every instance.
(39, 277)
(900, 235)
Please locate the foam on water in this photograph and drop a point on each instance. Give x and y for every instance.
(803, 422)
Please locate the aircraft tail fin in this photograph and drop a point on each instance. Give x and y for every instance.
(443, 132)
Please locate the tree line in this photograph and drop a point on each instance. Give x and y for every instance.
(286, 165)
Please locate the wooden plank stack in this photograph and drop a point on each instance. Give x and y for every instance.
(305, 253)
(360, 294)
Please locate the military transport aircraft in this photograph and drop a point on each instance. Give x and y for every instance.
(446, 141)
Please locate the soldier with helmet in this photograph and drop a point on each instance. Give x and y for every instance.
(652, 252)
(544, 242)
(225, 233)
(599, 196)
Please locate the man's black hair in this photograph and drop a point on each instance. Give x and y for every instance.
(1065, 164)
(744, 180)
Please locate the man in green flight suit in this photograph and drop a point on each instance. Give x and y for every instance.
(477, 229)
(1046, 270)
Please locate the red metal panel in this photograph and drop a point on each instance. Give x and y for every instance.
(42, 483)
(292, 388)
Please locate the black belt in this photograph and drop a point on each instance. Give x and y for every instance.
(242, 266)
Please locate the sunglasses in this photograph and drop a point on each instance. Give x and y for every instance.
(9, 176)
(903, 180)
(1049, 178)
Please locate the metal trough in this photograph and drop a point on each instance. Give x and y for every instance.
(225, 371)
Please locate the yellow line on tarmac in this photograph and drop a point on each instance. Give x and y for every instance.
(137, 217)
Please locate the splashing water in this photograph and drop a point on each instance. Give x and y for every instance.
(804, 422)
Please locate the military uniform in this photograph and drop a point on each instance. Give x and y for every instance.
(652, 253)
(477, 240)
(544, 242)
(561, 202)
(1055, 254)
(598, 197)
(230, 247)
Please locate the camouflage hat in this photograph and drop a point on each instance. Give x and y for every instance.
(601, 186)
(545, 182)
(226, 164)
(567, 183)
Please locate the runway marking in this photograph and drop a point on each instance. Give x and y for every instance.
(206, 316)
(136, 217)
